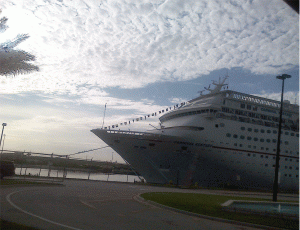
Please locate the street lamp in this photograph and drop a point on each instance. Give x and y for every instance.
(3, 143)
(275, 185)
(4, 124)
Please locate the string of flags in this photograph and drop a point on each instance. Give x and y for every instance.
(130, 121)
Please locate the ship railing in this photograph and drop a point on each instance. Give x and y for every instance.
(209, 114)
(137, 133)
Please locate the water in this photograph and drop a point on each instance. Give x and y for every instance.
(282, 208)
(77, 175)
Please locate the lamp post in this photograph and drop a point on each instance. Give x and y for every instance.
(3, 143)
(275, 185)
(4, 124)
(104, 115)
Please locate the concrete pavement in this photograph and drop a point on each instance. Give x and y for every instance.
(101, 205)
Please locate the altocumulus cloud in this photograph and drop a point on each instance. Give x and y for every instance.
(131, 44)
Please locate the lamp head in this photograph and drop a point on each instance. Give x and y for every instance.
(4, 124)
(283, 76)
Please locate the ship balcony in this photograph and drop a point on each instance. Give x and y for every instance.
(210, 114)
(267, 123)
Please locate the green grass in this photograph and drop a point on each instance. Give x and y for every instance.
(210, 205)
(13, 182)
(12, 226)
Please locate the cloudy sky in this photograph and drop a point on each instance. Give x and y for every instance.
(138, 58)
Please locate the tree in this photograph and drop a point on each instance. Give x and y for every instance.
(12, 61)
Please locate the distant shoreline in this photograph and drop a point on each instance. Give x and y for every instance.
(75, 169)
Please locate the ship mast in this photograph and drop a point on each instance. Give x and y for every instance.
(218, 86)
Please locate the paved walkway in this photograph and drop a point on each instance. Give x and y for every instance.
(101, 205)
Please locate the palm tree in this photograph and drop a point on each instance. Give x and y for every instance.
(12, 61)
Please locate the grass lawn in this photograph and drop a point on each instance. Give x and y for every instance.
(210, 205)
(12, 226)
(13, 182)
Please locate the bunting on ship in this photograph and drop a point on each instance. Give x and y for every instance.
(145, 117)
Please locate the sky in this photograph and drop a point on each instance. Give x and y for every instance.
(137, 57)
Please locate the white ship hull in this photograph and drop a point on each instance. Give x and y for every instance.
(164, 158)
(220, 139)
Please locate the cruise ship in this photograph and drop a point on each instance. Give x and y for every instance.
(222, 138)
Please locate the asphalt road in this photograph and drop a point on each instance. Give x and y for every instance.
(100, 205)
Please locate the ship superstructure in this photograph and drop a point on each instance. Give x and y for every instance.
(221, 138)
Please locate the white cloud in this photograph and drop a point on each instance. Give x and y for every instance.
(176, 100)
(85, 47)
(290, 96)
(128, 44)
(50, 113)
(49, 127)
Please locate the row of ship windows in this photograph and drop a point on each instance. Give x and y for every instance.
(286, 167)
(289, 122)
(249, 107)
(267, 149)
(262, 156)
(245, 106)
(235, 144)
(254, 147)
(262, 130)
(266, 156)
(290, 175)
(255, 138)
(269, 131)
